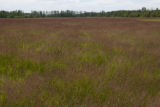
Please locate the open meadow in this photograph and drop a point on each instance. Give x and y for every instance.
(79, 62)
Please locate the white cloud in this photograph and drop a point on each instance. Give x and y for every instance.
(84, 5)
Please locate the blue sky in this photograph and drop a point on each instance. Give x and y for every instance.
(77, 5)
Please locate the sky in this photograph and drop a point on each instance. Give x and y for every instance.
(77, 5)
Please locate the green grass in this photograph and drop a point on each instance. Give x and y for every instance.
(13, 67)
(150, 20)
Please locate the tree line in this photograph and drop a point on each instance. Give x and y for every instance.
(68, 13)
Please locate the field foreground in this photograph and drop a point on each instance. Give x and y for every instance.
(79, 62)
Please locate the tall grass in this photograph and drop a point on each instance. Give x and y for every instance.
(79, 62)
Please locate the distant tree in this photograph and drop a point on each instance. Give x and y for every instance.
(144, 9)
(68, 13)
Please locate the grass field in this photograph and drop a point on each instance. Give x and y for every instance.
(151, 20)
(79, 62)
